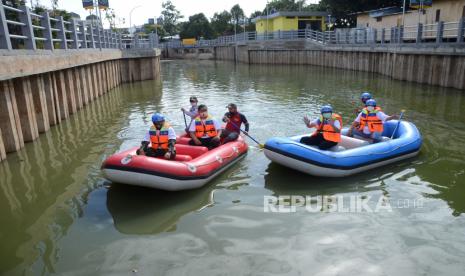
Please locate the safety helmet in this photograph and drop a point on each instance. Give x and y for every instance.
(365, 96)
(370, 102)
(157, 118)
(326, 109)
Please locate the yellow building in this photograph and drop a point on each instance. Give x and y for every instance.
(291, 21)
(441, 10)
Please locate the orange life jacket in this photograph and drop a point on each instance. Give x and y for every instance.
(328, 131)
(159, 138)
(207, 127)
(371, 120)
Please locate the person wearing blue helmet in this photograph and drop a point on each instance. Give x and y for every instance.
(364, 97)
(370, 122)
(161, 138)
(328, 129)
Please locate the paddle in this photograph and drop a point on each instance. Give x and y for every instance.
(398, 123)
(185, 121)
(246, 134)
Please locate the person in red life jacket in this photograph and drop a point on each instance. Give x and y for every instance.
(160, 139)
(364, 97)
(328, 129)
(234, 121)
(205, 131)
(370, 122)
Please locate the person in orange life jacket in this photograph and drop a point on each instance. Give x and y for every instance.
(364, 97)
(369, 122)
(328, 129)
(205, 131)
(161, 138)
(233, 120)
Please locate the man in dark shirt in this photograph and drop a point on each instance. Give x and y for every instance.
(234, 121)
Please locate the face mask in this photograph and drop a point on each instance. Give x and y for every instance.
(327, 115)
(370, 108)
(193, 103)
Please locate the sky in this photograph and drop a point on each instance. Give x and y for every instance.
(145, 9)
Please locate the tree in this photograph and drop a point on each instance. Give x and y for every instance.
(171, 17)
(284, 5)
(197, 27)
(220, 23)
(256, 14)
(236, 13)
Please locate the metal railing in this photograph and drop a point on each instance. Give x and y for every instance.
(20, 28)
(438, 33)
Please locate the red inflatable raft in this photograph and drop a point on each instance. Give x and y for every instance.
(194, 166)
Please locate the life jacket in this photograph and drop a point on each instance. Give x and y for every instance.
(371, 120)
(207, 127)
(160, 140)
(328, 131)
(236, 120)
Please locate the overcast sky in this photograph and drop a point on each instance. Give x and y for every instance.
(152, 8)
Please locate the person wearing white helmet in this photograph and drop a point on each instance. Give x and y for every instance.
(328, 129)
(161, 138)
(370, 122)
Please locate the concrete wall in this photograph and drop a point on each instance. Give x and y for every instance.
(39, 90)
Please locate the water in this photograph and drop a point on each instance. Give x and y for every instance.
(59, 216)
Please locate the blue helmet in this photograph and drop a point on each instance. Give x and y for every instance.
(370, 102)
(326, 109)
(157, 118)
(365, 96)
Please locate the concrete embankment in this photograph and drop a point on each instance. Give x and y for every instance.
(39, 89)
(442, 65)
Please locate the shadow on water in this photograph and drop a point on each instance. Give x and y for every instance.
(138, 210)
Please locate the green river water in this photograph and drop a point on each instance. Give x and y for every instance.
(59, 216)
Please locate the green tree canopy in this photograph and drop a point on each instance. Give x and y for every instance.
(197, 27)
(220, 23)
(171, 17)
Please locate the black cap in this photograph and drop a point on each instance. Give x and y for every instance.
(193, 98)
(231, 105)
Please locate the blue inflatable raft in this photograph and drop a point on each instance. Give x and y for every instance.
(350, 156)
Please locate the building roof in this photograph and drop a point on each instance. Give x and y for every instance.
(383, 12)
(291, 13)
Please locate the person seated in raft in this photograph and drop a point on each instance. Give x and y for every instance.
(369, 122)
(234, 121)
(328, 129)
(205, 131)
(364, 97)
(161, 138)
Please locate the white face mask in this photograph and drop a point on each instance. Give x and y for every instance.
(327, 115)
(193, 103)
(370, 108)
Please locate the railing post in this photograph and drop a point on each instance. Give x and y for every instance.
(356, 37)
(27, 30)
(401, 34)
(383, 35)
(92, 38)
(419, 33)
(375, 36)
(5, 42)
(82, 29)
(47, 31)
(440, 32)
(392, 38)
(61, 26)
(461, 30)
(120, 41)
(74, 34)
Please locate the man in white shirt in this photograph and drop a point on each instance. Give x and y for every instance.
(161, 138)
(205, 130)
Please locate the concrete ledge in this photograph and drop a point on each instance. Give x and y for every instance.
(21, 63)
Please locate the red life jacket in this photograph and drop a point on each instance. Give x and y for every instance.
(236, 120)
